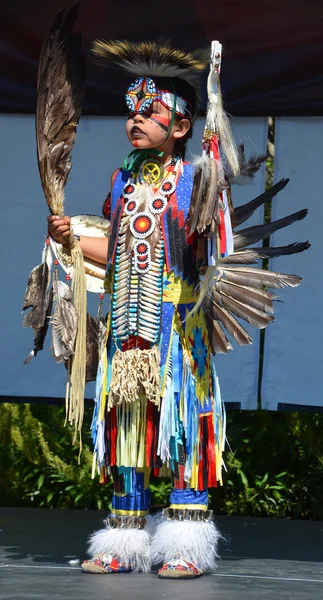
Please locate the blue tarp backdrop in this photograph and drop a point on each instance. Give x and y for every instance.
(293, 349)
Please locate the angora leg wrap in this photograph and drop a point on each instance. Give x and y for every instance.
(131, 546)
(194, 541)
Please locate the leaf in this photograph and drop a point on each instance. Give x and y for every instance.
(243, 478)
(40, 481)
(50, 496)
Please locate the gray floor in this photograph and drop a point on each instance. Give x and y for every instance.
(261, 558)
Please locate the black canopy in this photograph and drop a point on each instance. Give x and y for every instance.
(272, 57)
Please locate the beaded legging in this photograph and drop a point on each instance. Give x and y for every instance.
(132, 496)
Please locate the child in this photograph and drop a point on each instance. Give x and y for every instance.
(158, 399)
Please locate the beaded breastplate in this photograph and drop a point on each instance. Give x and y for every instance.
(139, 256)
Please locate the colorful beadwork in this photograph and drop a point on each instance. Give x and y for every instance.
(105, 565)
(131, 206)
(142, 225)
(179, 569)
(142, 257)
(157, 204)
(129, 191)
(140, 94)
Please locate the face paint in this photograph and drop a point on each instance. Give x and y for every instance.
(162, 122)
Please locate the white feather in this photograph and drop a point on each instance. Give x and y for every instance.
(193, 541)
(130, 546)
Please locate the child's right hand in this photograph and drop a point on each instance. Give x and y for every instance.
(60, 229)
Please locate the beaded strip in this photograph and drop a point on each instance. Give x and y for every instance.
(125, 522)
(187, 514)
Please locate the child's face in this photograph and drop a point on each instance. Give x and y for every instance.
(150, 129)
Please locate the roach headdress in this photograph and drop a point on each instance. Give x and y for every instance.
(154, 59)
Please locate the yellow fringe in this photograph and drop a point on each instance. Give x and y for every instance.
(75, 388)
(131, 436)
(135, 373)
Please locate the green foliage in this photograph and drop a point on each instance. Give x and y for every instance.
(39, 466)
(275, 467)
(263, 444)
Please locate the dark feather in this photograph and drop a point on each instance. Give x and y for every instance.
(199, 188)
(59, 98)
(220, 313)
(250, 166)
(36, 297)
(217, 338)
(244, 212)
(64, 321)
(257, 318)
(209, 206)
(250, 235)
(95, 336)
(253, 297)
(40, 334)
(250, 256)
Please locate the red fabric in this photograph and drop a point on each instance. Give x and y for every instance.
(211, 460)
(113, 420)
(106, 209)
(222, 235)
(149, 432)
(135, 341)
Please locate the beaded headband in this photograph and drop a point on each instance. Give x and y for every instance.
(142, 92)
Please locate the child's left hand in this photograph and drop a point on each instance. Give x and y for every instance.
(60, 229)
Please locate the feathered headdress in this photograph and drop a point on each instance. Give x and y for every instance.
(153, 59)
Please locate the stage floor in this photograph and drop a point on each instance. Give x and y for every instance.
(261, 559)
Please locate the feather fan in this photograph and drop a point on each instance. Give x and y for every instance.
(60, 92)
